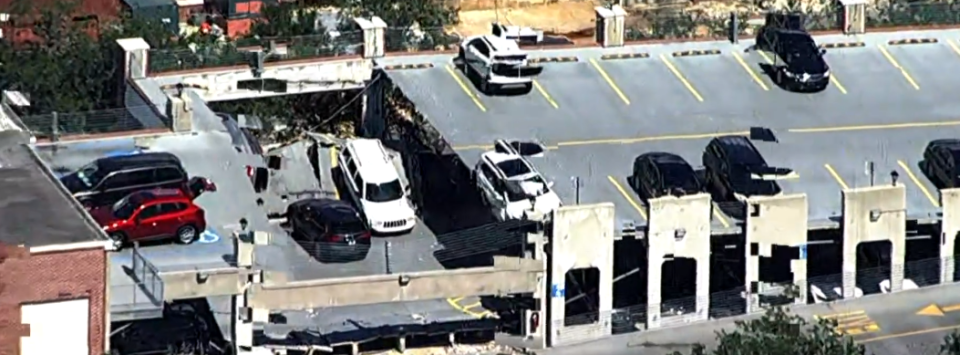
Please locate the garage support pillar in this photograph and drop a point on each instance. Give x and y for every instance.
(854, 16)
(180, 111)
(949, 229)
(135, 51)
(244, 316)
(582, 238)
(774, 220)
(678, 227)
(610, 26)
(373, 36)
(871, 214)
(531, 325)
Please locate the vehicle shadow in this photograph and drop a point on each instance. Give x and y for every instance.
(730, 206)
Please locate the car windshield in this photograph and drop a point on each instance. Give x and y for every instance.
(125, 208)
(89, 175)
(800, 46)
(513, 168)
(384, 192)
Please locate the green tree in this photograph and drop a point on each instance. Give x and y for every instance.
(951, 344)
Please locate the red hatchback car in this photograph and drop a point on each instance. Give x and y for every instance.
(151, 215)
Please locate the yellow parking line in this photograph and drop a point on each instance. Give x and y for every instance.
(333, 165)
(606, 77)
(923, 189)
(753, 75)
(651, 139)
(836, 176)
(627, 196)
(953, 46)
(874, 127)
(454, 302)
(680, 76)
(545, 94)
(466, 89)
(897, 65)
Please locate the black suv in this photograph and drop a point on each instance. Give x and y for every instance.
(107, 180)
(661, 174)
(940, 163)
(330, 230)
(800, 64)
(734, 166)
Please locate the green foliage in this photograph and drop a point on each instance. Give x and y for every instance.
(901, 13)
(951, 344)
(319, 112)
(72, 65)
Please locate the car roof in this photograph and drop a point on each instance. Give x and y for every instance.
(160, 194)
(138, 161)
(373, 161)
(663, 157)
(331, 209)
(739, 148)
(502, 45)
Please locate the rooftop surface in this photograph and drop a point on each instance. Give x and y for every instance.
(34, 209)
(885, 102)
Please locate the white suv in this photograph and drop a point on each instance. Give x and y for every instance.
(510, 185)
(375, 186)
(497, 61)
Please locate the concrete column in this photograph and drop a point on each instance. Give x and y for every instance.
(873, 214)
(610, 21)
(582, 238)
(402, 344)
(774, 220)
(134, 57)
(949, 229)
(242, 325)
(373, 36)
(373, 124)
(180, 111)
(680, 228)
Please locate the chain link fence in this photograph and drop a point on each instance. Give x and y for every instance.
(56, 125)
(419, 40)
(243, 51)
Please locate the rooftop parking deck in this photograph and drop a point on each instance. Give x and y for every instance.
(595, 115)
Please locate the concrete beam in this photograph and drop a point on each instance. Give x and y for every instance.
(180, 285)
(870, 214)
(507, 276)
(774, 220)
(949, 229)
(678, 227)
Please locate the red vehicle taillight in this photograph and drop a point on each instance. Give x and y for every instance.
(336, 238)
(250, 171)
(364, 235)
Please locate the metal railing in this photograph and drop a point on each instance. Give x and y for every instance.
(144, 297)
(147, 276)
(397, 39)
(55, 125)
(241, 52)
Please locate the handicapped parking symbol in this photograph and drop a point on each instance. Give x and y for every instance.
(208, 236)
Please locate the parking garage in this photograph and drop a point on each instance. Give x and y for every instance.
(864, 134)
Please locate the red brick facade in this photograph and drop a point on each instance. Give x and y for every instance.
(50, 277)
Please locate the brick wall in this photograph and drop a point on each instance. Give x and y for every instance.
(50, 277)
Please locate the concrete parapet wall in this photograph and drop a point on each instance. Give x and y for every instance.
(950, 229)
(507, 276)
(203, 283)
(774, 220)
(222, 84)
(871, 214)
(582, 238)
(678, 227)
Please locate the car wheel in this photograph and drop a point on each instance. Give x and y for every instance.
(461, 60)
(485, 86)
(187, 234)
(87, 204)
(119, 239)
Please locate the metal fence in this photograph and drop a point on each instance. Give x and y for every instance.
(144, 297)
(242, 51)
(732, 302)
(419, 40)
(55, 125)
(676, 22)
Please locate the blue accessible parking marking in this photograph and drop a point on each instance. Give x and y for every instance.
(120, 153)
(209, 236)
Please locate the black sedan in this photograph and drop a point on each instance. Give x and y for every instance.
(330, 230)
(661, 174)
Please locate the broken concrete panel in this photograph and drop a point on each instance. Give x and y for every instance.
(774, 220)
(678, 227)
(871, 214)
(949, 229)
(582, 238)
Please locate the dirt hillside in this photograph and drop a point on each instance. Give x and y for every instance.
(558, 18)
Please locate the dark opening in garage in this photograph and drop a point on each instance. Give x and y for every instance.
(727, 272)
(922, 264)
(678, 287)
(873, 265)
(630, 273)
(582, 301)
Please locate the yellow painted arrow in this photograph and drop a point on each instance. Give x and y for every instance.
(938, 311)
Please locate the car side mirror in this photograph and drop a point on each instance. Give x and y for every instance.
(550, 184)
(407, 189)
(823, 51)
